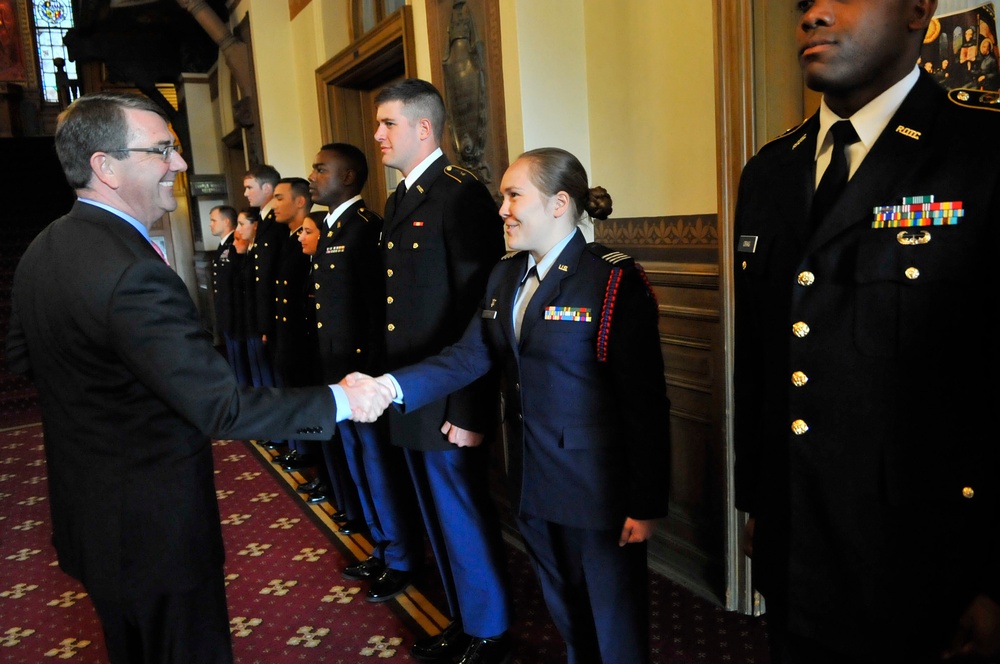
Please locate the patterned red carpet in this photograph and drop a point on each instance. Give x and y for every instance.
(287, 600)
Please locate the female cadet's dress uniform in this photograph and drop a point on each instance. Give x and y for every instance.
(587, 421)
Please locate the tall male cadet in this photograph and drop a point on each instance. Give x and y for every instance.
(258, 187)
(442, 236)
(350, 308)
(867, 455)
(131, 389)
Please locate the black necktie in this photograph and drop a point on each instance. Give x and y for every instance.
(835, 177)
(400, 192)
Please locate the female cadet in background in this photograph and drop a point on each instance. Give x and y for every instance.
(586, 410)
(245, 313)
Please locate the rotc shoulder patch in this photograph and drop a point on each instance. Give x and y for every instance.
(981, 99)
(612, 256)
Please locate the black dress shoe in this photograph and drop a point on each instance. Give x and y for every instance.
(371, 568)
(499, 650)
(310, 486)
(318, 495)
(339, 517)
(298, 462)
(271, 445)
(387, 585)
(286, 457)
(351, 527)
(448, 643)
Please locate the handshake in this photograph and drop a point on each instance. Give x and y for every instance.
(368, 397)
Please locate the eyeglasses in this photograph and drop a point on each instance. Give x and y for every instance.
(165, 152)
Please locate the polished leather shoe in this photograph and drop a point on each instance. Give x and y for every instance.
(371, 568)
(286, 457)
(451, 641)
(271, 445)
(387, 585)
(298, 462)
(318, 495)
(339, 517)
(499, 650)
(310, 486)
(351, 527)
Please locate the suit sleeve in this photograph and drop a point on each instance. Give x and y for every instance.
(635, 361)
(154, 329)
(474, 242)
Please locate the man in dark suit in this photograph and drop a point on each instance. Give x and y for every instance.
(441, 238)
(350, 308)
(131, 388)
(258, 187)
(866, 457)
(222, 224)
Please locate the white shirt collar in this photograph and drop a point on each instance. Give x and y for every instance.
(550, 256)
(334, 214)
(415, 174)
(869, 121)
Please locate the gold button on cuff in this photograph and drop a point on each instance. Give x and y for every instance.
(800, 329)
(799, 427)
(357, 351)
(806, 278)
(332, 266)
(967, 492)
(912, 273)
(799, 379)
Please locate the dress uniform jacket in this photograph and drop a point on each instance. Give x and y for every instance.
(222, 291)
(131, 388)
(266, 256)
(586, 411)
(349, 290)
(295, 350)
(438, 248)
(865, 443)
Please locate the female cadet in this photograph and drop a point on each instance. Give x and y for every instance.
(586, 410)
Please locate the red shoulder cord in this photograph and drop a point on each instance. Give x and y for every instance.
(604, 331)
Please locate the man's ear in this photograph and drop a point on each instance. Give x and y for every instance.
(424, 129)
(103, 167)
(922, 11)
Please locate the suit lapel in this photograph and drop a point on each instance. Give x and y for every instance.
(901, 149)
(564, 266)
(415, 195)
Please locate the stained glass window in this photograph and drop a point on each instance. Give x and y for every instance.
(52, 19)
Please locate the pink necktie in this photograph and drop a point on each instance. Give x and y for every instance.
(160, 252)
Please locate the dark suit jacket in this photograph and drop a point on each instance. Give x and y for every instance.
(350, 291)
(878, 521)
(438, 249)
(131, 388)
(265, 255)
(222, 286)
(588, 438)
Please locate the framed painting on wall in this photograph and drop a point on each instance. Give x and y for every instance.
(16, 57)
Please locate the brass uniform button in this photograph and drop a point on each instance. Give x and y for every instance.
(806, 278)
(416, 244)
(912, 273)
(318, 325)
(389, 299)
(390, 327)
(389, 245)
(799, 379)
(800, 329)
(799, 427)
(388, 272)
(967, 492)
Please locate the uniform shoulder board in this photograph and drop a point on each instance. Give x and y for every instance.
(785, 134)
(610, 255)
(981, 99)
(510, 254)
(368, 215)
(459, 173)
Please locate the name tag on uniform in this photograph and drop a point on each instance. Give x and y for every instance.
(747, 244)
(489, 313)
